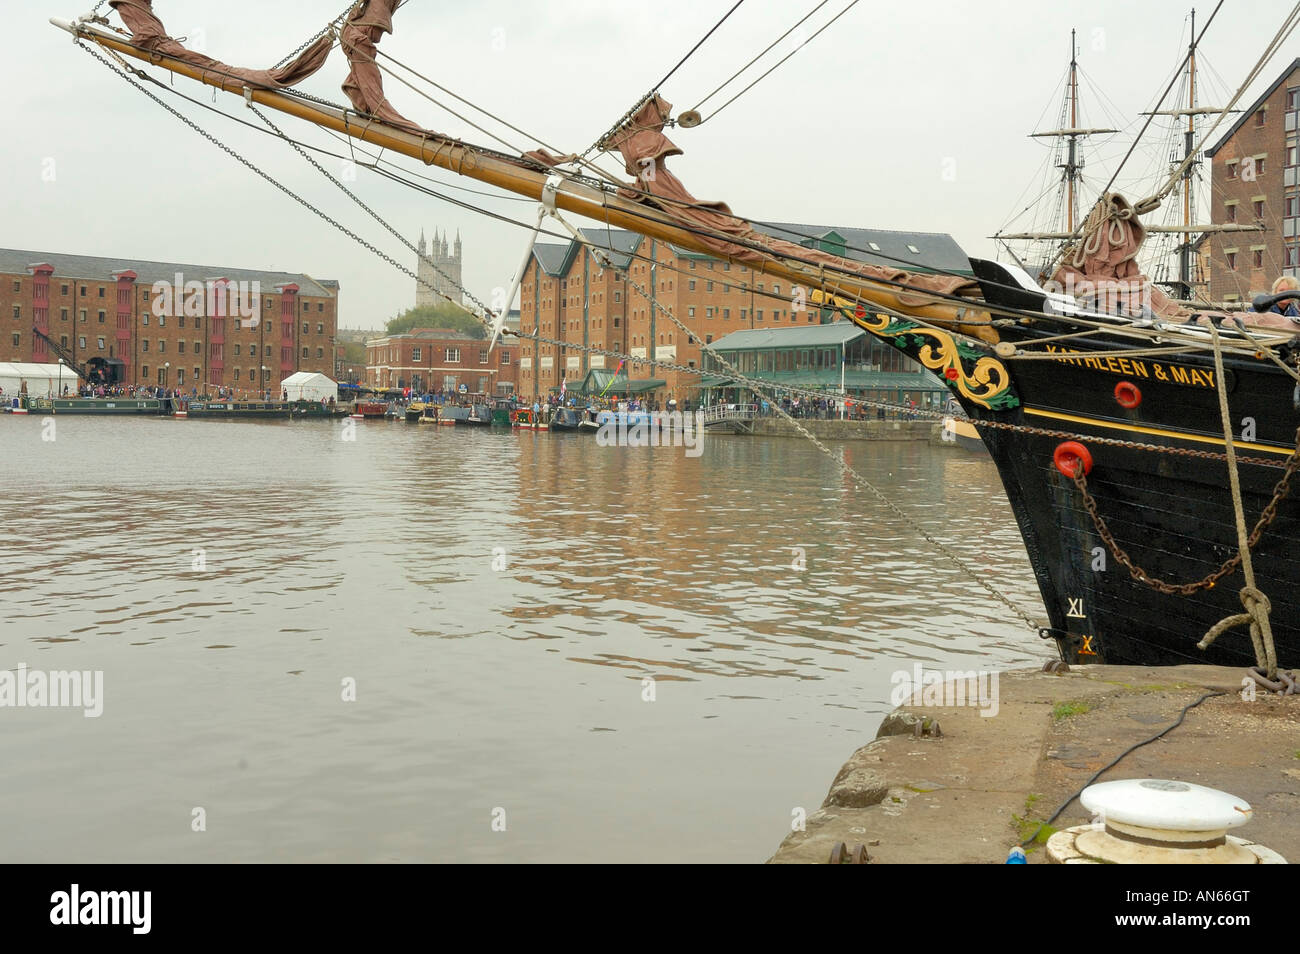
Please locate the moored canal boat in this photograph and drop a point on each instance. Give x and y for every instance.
(107, 405)
(479, 415)
(566, 420)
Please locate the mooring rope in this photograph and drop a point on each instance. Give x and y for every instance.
(1253, 600)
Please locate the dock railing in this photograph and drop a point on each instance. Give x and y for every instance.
(732, 415)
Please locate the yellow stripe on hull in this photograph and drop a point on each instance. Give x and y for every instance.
(1158, 432)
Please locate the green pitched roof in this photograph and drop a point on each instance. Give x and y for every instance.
(795, 336)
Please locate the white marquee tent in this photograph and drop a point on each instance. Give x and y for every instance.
(310, 386)
(43, 380)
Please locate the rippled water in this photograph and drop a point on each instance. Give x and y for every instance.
(481, 692)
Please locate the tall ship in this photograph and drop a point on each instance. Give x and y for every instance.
(1147, 447)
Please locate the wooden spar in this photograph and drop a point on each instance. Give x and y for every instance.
(579, 198)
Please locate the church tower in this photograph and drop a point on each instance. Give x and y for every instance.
(440, 267)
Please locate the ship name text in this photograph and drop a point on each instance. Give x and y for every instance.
(1133, 368)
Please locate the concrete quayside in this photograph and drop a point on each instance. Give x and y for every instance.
(964, 782)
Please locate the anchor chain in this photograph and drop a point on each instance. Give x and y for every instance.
(1266, 518)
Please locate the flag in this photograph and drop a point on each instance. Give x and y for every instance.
(563, 390)
(613, 379)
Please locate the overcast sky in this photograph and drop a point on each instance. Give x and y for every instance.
(902, 115)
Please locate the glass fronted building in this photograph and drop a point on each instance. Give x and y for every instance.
(838, 359)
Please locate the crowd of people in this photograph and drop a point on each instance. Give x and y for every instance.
(130, 391)
(829, 409)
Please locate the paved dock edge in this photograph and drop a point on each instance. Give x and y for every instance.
(969, 789)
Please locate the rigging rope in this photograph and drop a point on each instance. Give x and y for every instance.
(766, 50)
(655, 88)
(328, 28)
(1284, 32)
(781, 61)
(683, 60)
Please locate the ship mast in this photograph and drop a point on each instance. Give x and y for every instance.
(1191, 162)
(1185, 250)
(1072, 166)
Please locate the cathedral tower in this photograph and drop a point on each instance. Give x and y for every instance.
(440, 267)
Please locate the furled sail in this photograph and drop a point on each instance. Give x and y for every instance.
(366, 24)
(644, 147)
(1100, 270)
(148, 32)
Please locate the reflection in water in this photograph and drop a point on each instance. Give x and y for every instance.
(498, 599)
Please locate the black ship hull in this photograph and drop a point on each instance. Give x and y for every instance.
(1169, 509)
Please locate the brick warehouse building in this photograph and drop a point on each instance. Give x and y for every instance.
(103, 312)
(430, 359)
(1255, 172)
(567, 295)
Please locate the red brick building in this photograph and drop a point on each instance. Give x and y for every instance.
(432, 359)
(567, 296)
(160, 323)
(1255, 174)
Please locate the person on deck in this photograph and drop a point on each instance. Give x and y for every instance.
(1288, 308)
